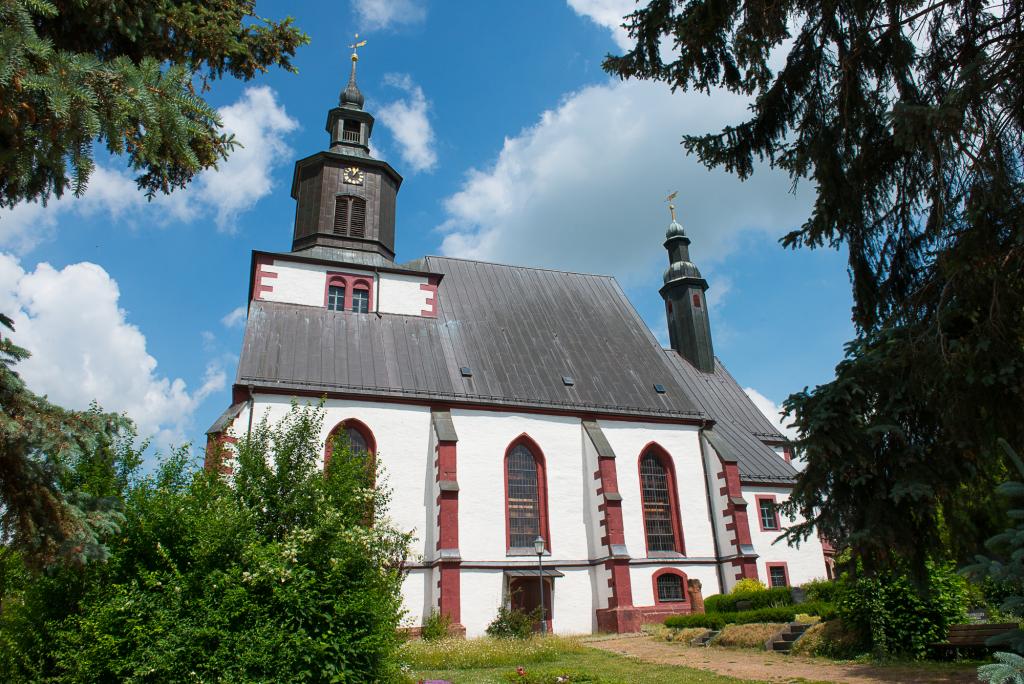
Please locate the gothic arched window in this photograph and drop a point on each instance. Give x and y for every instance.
(525, 495)
(658, 497)
(360, 439)
(350, 216)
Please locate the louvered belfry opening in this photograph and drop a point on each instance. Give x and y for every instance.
(523, 498)
(350, 216)
(670, 588)
(657, 504)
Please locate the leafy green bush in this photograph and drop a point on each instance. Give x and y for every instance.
(287, 571)
(821, 590)
(705, 620)
(719, 620)
(435, 626)
(511, 623)
(826, 611)
(896, 616)
(762, 598)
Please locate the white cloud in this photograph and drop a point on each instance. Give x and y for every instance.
(584, 188)
(407, 122)
(258, 122)
(772, 411)
(607, 13)
(374, 15)
(234, 318)
(84, 349)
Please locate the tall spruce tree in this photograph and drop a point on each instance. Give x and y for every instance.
(127, 74)
(907, 117)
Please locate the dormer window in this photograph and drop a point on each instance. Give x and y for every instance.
(361, 300)
(350, 216)
(336, 297)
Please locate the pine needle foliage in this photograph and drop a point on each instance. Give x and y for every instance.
(128, 75)
(51, 459)
(907, 118)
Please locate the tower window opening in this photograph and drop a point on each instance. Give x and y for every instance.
(336, 298)
(350, 132)
(361, 300)
(350, 216)
(696, 300)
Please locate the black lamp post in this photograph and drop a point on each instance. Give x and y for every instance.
(538, 547)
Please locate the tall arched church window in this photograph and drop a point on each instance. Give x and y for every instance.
(525, 495)
(350, 216)
(658, 497)
(360, 439)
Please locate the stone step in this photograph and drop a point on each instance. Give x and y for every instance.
(782, 645)
(705, 638)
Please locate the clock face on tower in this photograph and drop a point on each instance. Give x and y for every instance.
(353, 175)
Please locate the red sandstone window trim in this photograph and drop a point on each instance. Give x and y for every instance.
(760, 519)
(357, 425)
(768, 571)
(542, 491)
(665, 459)
(654, 586)
(349, 281)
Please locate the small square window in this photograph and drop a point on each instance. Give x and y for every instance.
(670, 588)
(777, 576)
(568, 380)
(660, 389)
(466, 371)
(769, 516)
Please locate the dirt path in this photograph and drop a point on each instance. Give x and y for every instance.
(776, 667)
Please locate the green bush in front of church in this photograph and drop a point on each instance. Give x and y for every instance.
(284, 574)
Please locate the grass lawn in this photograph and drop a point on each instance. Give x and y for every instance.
(544, 660)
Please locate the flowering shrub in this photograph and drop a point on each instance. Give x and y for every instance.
(286, 573)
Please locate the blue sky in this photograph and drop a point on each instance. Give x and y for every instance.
(515, 147)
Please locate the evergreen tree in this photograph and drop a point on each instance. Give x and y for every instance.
(129, 75)
(907, 117)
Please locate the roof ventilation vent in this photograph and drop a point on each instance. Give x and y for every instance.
(466, 371)
(660, 389)
(568, 381)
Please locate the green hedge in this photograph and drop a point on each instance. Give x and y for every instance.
(822, 590)
(822, 609)
(719, 620)
(766, 598)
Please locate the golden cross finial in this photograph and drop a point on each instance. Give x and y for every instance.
(672, 207)
(355, 46)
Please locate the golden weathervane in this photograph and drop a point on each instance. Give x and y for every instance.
(671, 207)
(355, 46)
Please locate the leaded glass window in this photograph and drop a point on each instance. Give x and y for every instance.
(769, 517)
(356, 441)
(336, 298)
(777, 576)
(361, 300)
(523, 498)
(657, 502)
(670, 588)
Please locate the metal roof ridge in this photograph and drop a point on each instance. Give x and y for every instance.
(531, 268)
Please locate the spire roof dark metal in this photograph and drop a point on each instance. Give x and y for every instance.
(350, 96)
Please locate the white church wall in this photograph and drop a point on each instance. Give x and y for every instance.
(719, 503)
(803, 564)
(601, 591)
(483, 438)
(302, 283)
(628, 439)
(482, 591)
(416, 596)
(574, 611)
(402, 294)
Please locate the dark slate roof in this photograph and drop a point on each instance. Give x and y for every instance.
(739, 426)
(519, 330)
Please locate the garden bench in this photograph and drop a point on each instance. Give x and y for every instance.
(970, 639)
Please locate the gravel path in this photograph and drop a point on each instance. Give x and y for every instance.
(776, 667)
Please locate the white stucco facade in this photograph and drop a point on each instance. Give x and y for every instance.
(406, 442)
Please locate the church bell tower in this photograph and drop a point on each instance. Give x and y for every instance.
(689, 328)
(345, 199)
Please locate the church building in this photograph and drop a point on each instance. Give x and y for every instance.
(509, 403)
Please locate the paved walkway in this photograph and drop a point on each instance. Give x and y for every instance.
(777, 667)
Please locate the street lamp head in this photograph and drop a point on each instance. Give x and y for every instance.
(538, 545)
